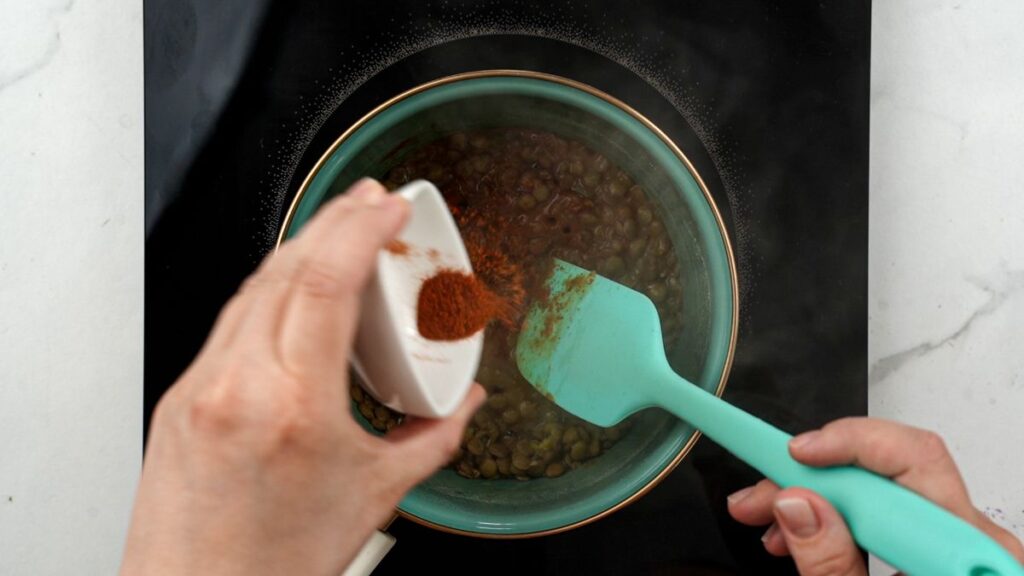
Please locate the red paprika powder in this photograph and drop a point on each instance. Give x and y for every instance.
(453, 305)
(501, 276)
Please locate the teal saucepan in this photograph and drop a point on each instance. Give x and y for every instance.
(703, 352)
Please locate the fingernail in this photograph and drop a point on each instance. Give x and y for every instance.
(804, 440)
(769, 533)
(368, 190)
(739, 495)
(797, 517)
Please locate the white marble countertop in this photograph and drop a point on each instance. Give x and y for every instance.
(946, 273)
(946, 283)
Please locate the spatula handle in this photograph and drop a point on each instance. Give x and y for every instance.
(899, 526)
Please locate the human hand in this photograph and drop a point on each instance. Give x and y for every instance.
(254, 464)
(807, 527)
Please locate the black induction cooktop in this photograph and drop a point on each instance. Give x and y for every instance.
(769, 99)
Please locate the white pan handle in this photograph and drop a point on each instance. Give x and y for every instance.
(375, 549)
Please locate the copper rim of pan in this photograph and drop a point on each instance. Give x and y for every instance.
(682, 158)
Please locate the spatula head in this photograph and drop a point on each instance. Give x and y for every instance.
(591, 345)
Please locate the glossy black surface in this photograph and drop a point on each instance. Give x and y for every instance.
(769, 100)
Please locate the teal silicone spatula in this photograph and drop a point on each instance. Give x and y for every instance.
(595, 347)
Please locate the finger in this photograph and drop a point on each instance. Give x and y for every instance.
(887, 447)
(816, 535)
(774, 542)
(329, 269)
(753, 505)
(420, 446)
(915, 458)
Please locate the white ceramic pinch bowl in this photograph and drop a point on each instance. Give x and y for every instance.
(399, 367)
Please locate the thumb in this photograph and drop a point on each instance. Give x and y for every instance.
(816, 535)
(420, 446)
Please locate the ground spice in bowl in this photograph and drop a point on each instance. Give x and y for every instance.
(453, 305)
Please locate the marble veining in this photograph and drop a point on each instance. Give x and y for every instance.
(1010, 283)
(30, 38)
